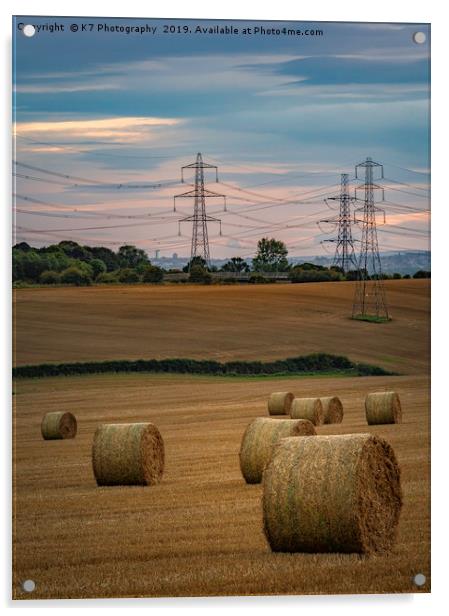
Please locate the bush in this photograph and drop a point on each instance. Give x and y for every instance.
(153, 274)
(229, 281)
(397, 276)
(199, 274)
(83, 266)
(315, 363)
(75, 276)
(128, 275)
(194, 262)
(258, 279)
(107, 278)
(50, 277)
(421, 274)
(98, 267)
(298, 274)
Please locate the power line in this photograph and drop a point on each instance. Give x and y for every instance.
(427, 173)
(98, 214)
(81, 180)
(407, 192)
(406, 184)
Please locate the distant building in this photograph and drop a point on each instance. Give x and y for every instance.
(175, 255)
(157, 254)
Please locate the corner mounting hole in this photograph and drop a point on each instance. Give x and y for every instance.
(419, 38)
(28, 585)
(29, 30)
(419, 579)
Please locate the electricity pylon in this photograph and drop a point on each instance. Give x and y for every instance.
(199, 218)
(344, 256)
(369, 298)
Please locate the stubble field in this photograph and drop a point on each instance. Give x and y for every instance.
(200, 531)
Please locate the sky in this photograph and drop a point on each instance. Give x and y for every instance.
(104, 121)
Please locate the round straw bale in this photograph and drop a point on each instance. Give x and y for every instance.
(308, 408)
(58, 425)
(259, 439)
(333, 410)
(127, 454)
(280, 403)
(383, 407)
(338, 493)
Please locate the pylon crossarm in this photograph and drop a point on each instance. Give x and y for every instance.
(211, 193)
(189, 193)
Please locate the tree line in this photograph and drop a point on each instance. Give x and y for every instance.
(73, 264)
(307, 364)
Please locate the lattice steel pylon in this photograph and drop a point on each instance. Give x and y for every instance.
(199, 218)
(369, 299)
(344, 256)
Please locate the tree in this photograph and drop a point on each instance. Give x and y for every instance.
(98, 267)
(130, 256)
(83, 266)
(50, 277)
(299, 274)
(271, 256)
(22, 246)
(236, 264)
(195, 261)
(106, 278)
(310, 266)
(128, 275)
(108, 256)
(199, 274)
(152, 274)
(76, 276)
(336, 268)
(421, 274)
(74, 250)
(357, 275)
(28, 265)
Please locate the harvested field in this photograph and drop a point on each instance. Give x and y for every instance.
(200, 531)
(245, 322)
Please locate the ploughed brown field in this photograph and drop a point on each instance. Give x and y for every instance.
(220, 322)
(200, 531)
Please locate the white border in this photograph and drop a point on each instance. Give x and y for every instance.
(380, 11)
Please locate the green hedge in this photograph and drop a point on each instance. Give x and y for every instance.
(315, 363)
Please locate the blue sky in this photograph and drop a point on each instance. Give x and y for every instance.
(281, 116)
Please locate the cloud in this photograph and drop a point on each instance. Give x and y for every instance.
(53, 88)
(111, 129)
